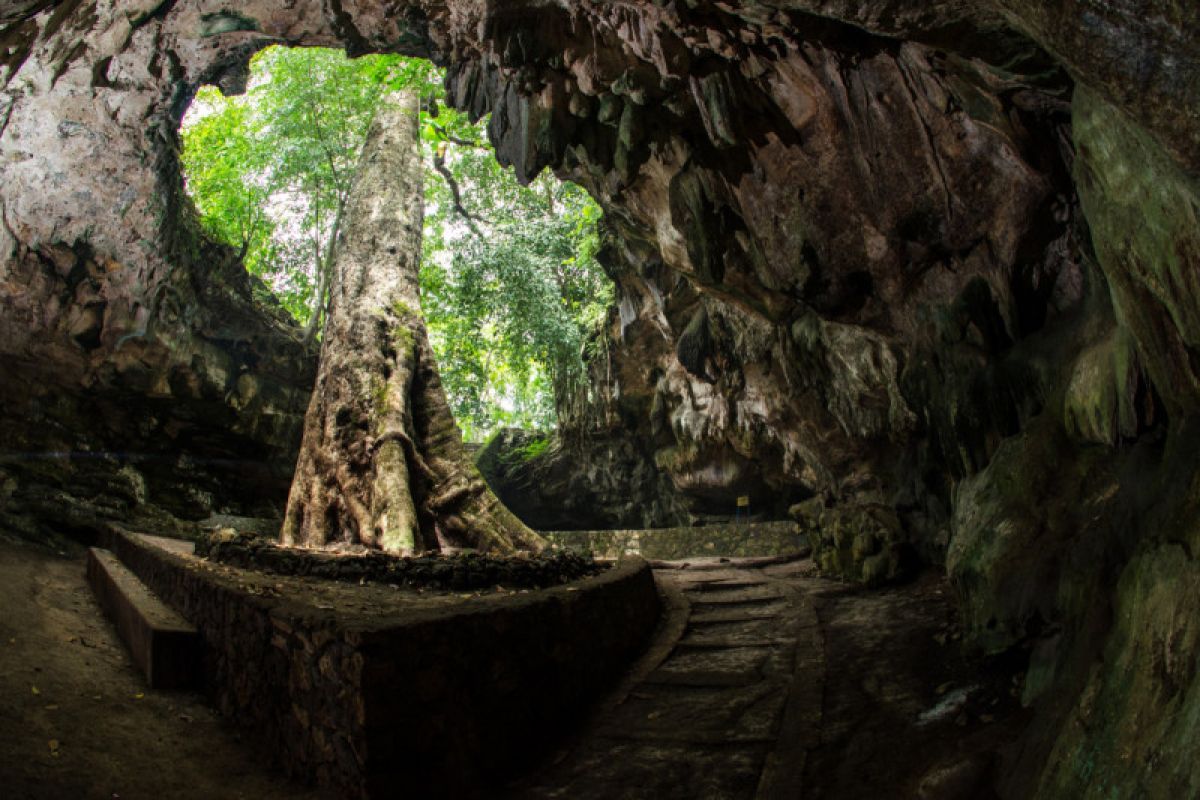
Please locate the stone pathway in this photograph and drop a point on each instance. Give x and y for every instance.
(768, 683)
(742, 660)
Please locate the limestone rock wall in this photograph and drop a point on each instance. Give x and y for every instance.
(557, 483)
(145, 375)
(933, 263)
(828, 244)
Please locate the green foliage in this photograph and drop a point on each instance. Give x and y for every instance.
(269, 171)
(509, 310)
(515, 455)
(229, 178)
(510, 284)
(534, 449)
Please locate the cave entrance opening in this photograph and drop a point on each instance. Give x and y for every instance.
(511, 288)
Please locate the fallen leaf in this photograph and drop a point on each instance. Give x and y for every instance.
(53, 746)
(35, 690)
(52, 707)
(139, 695)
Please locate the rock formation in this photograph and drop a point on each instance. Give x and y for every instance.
(929, 267)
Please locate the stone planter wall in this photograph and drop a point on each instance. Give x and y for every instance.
(444, 702)
(730, 541)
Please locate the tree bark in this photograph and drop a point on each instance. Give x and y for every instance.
(324, 266)
(382, 461)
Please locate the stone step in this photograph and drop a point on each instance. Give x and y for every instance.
(735, 597)
(724, 585)
(720, 615)
(727, 643)
(735, 633)
(164, 645)
(705, 678)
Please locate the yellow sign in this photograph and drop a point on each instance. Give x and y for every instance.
(744, 501)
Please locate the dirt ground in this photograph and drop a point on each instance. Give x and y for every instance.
(76, 719)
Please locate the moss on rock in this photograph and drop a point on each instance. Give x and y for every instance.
(864, 543)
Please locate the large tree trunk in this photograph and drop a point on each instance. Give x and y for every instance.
(382, 460)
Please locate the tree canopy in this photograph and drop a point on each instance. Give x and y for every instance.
(509, 281)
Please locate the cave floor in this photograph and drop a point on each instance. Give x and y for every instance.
(76, 719)
(766, 681)
(763, 681)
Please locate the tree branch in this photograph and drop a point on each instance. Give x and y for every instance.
(439, 164)
(324, 268)
(449, 137)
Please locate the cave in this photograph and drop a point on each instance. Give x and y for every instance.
(883, 463)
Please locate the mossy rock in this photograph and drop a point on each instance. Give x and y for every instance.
(1101, 402)
(864, 543)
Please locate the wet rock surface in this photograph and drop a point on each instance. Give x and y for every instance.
(451, 572)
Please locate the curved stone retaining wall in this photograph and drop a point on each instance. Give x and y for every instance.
(750, 540)
(438, 702)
